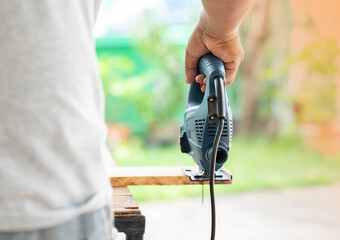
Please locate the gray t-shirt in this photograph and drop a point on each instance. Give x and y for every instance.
(52, 132)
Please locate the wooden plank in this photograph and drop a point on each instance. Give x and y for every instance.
(129, 176)
(124, 205)
(127, 213)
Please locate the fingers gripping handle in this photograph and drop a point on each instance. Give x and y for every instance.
(221, 98)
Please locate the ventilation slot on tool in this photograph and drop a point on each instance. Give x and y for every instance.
(212, 128)
(230, 130)
(199, 125)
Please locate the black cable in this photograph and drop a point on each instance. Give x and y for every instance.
(212, 176)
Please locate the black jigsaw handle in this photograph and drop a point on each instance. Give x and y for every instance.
(213, 69)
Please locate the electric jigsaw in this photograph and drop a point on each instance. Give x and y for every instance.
(207, 129)
(203, 114)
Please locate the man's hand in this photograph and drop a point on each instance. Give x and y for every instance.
(217, 32)
(228, 49)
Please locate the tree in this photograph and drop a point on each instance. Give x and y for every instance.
(252, 65)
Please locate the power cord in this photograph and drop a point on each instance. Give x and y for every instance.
(221, 115)
(212, 177)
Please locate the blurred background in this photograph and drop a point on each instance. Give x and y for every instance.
(285, 98)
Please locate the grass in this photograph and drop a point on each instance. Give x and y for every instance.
(256, 163)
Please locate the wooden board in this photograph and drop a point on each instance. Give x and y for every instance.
(124, 205)
(129, 176)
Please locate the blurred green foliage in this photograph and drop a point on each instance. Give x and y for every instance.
(153, 40)
(117, 83)
(157, 92)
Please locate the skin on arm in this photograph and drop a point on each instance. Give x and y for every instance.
(217, 32)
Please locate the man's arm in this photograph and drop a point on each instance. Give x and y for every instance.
(217, 32)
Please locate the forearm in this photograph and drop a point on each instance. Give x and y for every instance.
(221, 18)
(217, 32)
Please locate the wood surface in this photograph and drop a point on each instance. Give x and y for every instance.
(124, 205)
(129, 176)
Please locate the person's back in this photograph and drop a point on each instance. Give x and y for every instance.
(52, 133)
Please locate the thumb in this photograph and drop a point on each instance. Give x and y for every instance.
(230, 71)
(230, 77)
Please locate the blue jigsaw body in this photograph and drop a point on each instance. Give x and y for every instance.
(201, 115)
